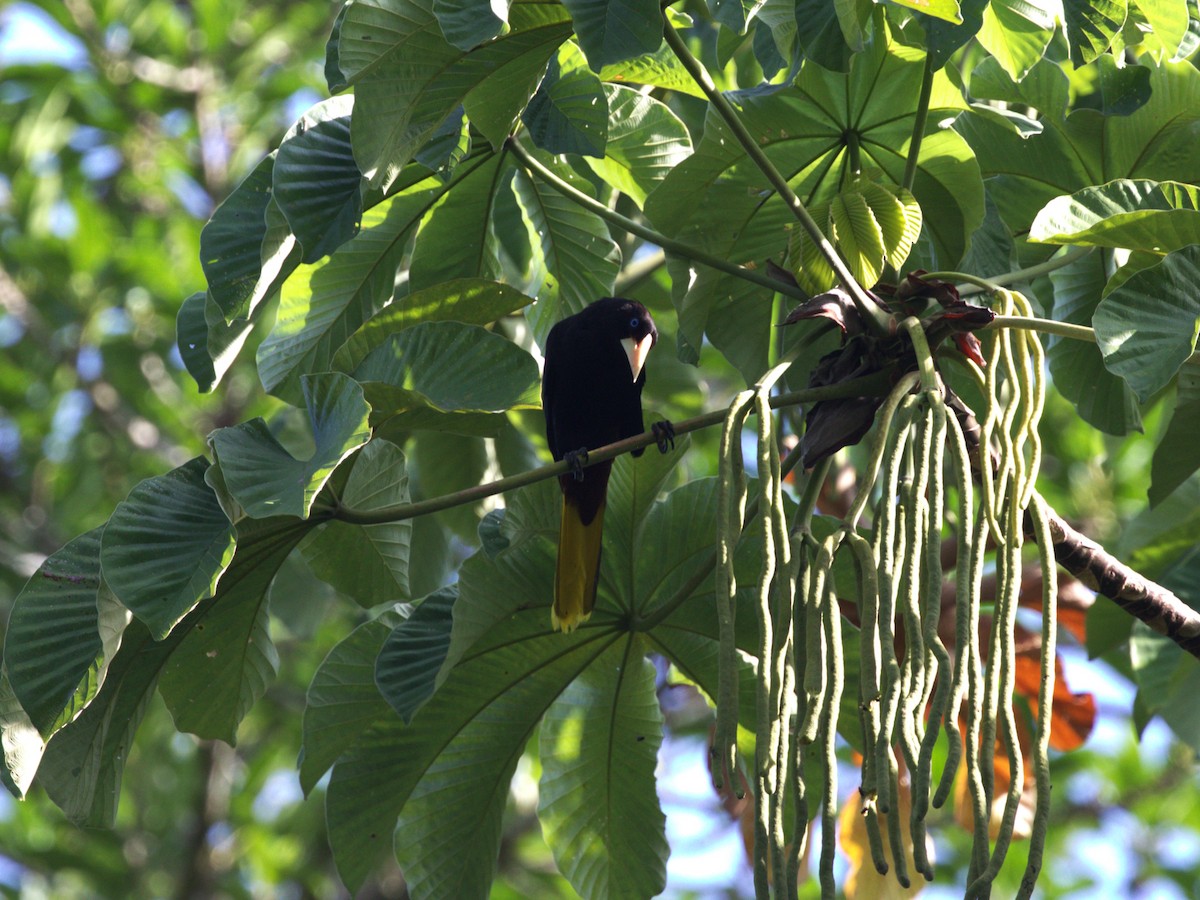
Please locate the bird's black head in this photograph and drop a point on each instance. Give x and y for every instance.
(629, 322)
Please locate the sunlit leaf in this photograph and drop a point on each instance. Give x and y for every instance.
(1147, 327)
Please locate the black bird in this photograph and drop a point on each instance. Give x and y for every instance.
(592, 396)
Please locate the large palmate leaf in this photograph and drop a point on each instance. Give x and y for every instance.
(1016, 33)
(569, 112)
(468, 23)
(342, 699)
(1083, 149)
(21, 746)
(1147, 327)
(580, 257)
(1092, 25)
(367, 562)
(53, 638)
(264, 478)
(207, 344)
(407, 79)
(324, 304)
(718, 200)
(315, 180)
(1136, 214)
(456, 239)
(446, 376)
(645, 141)
(1102, 398)
(471, 301)
(596, 799)
(231, 240)
(166, 546)
(610, 31)
(84, 761)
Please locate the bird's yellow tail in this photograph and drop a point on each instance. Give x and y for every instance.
(578, 570)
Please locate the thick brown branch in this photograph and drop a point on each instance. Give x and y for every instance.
(1100, 570)
(1139, 596)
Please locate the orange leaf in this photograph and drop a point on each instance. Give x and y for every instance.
(863, 880)
(1072, 716)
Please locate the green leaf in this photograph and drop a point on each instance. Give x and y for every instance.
(859, 237)
(718, 201)
(1147, 327)
(1177, 455)
(449, 145)
(1166, 25)
(408, 662)
(53, 642)
(446, 376)
(445, 463)
(1136, 214)
(1092, 25)
(820, 31)
(207, 345)
(166, 545)
(658, 69)
(1086, 148)
(315, 180)
(456, 239)
(610, 32)
(645, 141)
(408, 79)
(267, 480)
(230, 241)
(596, 801)
(582, 260)
(367, 562)
(1015, 42)
(471, 301)
(446, 776)
(21, 746)
(569, 112)
(942, 9)
(1101, 398)
(223, 666)
(322, 305)
(511, 70)
(942, 38)
(468, 23)
(342, 699)
(85, 760)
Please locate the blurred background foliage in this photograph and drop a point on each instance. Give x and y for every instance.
(122, 125)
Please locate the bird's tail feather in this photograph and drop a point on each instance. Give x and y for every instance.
(578, 570)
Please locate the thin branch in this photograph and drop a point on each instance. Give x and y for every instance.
(868, 309)
(977, 284)
(670, 245)
(874, 384)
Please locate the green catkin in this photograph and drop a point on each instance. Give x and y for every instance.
(937, 660)
(731, 508)
(895, 828)
(1039, 513)
(815, 664)
(964, 630)
(1006, 646)
(884, 537)
(832, 620)
(980, 793)
(875, 840)
(804, 553)
(880, 443)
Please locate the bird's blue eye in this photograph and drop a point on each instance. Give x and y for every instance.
(634, 323)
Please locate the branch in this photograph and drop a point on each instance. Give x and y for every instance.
(1141, 598)
(670, 245)
(874, 384)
